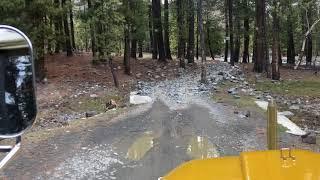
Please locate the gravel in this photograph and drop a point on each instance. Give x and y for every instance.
(187, 88)
(95, 162)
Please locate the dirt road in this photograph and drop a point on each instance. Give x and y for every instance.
(144, 145)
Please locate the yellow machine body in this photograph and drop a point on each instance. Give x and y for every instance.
(266, 165)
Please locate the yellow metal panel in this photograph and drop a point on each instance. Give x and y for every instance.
(220, 169)
(267, 165)
(300, 165)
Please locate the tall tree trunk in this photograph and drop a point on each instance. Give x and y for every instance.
(92, 32)
(309, 39)
(140, 48)
(49, 47)
(114, 73)
(254, 48)
(209, 38)
(57, 28)
(290, 42)
(202, 44)
(157, 24)
(197, 48)
(67, 31)
(275, 42)
(134, 48)
(237, 34)
(260, 57)
(73, 41)
(153, 44)
(230, 4)
(166, 30)
(181, 36)
(190, 50)
(309, 50)
(246, 24)
(127, 63)
(226, 49)
(237, 43)
(280, 53)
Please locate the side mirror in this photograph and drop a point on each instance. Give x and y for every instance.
(17, 84)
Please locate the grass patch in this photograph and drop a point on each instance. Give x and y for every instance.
(94, 104)
(244, 101)
(292, 88)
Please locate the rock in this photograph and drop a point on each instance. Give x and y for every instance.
(268, 97)
(111, 104)
(232, 91)
(242, 116)
(138, 75)
(149, 73)
(309, 139)
(156, 76)
(287, 113)
(294, 107)
(248, 114)
(136, 99)
(90, 114)
(93, 95)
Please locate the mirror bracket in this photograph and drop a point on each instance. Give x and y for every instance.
(11, 150)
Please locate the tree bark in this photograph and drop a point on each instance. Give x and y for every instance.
(309, 39)
(166, 30)
(157, 24)
(309, 50)
(260, 57)
(57, 28)
(140, 48)
(114, 73)
(202, 44)
(237, 43)
(92, 32)
(73, 41)
(230, 4)
(209, 38)
(226, 49)
(246, 24)
(127, 64)
(190, 50)
(197, 48)
(134, 48)
(181, 36)
(151, 35)
(290, 42)
(237, 33)
(67, 31)
(275, 42)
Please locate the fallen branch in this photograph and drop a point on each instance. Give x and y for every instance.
(304, 43)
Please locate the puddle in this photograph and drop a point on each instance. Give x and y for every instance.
(140, 147)
(201, 148)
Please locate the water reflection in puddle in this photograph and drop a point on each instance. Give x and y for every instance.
(201, 148)
(140, 147)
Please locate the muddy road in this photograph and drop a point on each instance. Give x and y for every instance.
(142, 145)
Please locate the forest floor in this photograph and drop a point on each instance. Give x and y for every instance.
(77, 89)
